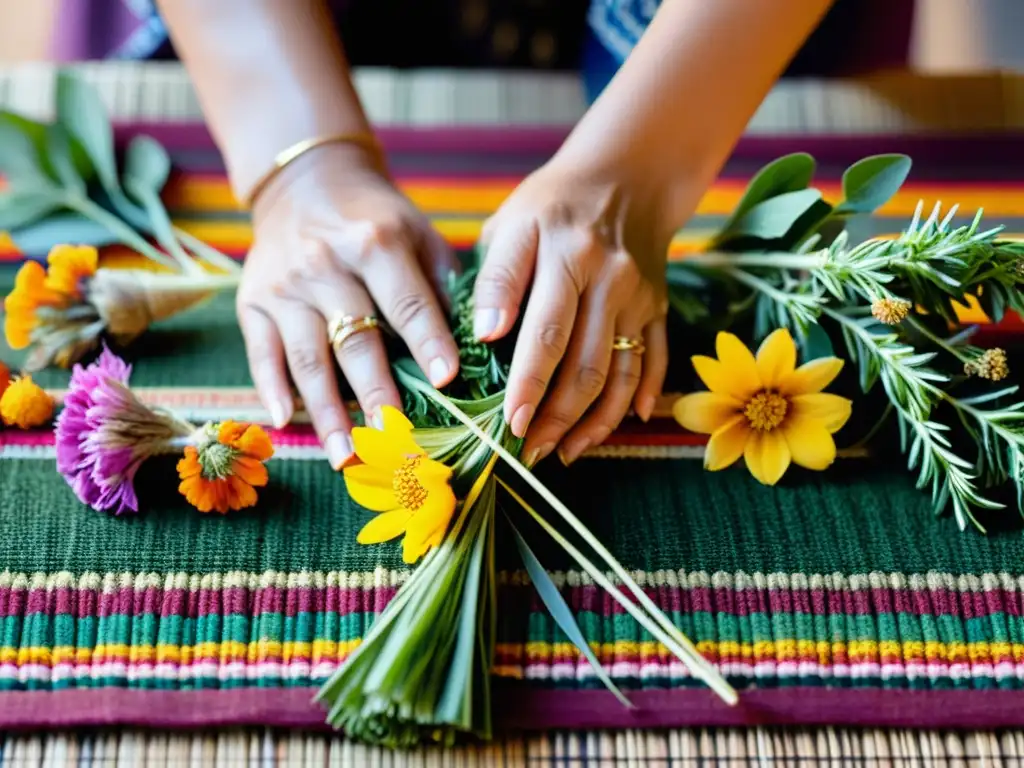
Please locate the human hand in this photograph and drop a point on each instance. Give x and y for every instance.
(334, 237)
(595, 243)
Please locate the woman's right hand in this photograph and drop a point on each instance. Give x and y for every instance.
(333, 237)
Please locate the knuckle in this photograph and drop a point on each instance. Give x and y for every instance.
(590, 379)
(535, 382)
(552, 339)
(306, 361)
(358, 344)
(630, 376)
(497, 279)
(408, 308)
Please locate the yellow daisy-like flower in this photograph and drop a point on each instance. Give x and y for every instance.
(397, 479)
(765, 409)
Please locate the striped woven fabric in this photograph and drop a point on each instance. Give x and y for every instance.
(835, 598)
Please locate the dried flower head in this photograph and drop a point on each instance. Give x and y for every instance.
(223, 469)
(25, 404)
(62, 310)
(104, 433)
(992, 365)
(890, 311)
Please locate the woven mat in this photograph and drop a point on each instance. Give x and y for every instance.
(833, 599)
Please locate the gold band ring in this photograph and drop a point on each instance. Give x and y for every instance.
(343, 327)
(626, 344)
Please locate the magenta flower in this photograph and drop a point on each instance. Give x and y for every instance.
(104, 433)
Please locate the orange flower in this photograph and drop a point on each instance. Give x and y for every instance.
(58, 286)
(224, 469)
(5, 378)
(25, 404)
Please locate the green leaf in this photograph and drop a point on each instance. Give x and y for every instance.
(773, 218)
(815, 343)
(789, 173)
(561, 612)
(869, 183)
(58, 152)
(147, 163)
(36, 238)
(810, 223)
(25, 207)
(81, 113)
(20, 158)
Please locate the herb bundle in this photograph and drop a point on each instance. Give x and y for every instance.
(784, 260)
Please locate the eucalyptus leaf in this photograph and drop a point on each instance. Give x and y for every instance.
(39, 236)
(773, 218)
(26, 206)
(561, 612)
(147, 163)
(869, 183)
(58, 152)
(80, 111)
(789, 173)
(20, 158)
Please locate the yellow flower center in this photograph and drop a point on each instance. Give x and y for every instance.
(766, 410)
(409, 491)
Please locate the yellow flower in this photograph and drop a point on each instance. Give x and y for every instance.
(765, 409)
(25, 404)
(397, 479)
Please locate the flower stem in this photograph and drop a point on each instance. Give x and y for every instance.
(127, 235)
(941, 343)
(770, 260)
(206, 252)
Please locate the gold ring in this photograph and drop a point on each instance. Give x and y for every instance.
(343, 327)
(626, 344)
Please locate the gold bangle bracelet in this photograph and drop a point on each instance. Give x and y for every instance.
(288, 156)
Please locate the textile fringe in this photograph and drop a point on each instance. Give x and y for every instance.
(682, 748)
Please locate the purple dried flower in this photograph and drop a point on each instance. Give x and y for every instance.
(104, 433)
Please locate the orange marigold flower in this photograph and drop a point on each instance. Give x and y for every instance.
(222, 471)
(25, 404)
(34, 287)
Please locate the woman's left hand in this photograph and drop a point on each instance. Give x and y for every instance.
(594, 244)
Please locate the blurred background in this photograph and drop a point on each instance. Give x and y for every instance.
(872, 66)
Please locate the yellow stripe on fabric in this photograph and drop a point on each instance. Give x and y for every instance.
(483, 197)
(823, 652)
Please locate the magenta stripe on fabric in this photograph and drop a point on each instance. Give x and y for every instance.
(177, 601)
(520, 708)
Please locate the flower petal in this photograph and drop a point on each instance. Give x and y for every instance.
(250, 470)
(720, 379)
(768, 456)
(776, 358)
(429, 524)
(726, 444)
(384, 527)
(255, 442)
(394, 421)
(704, 412)
(831, 411)
(738, 361)
(374, 496)
(240, 494)
(810, 443)
(811, 377)
(387, 452)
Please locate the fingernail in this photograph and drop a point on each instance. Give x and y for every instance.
(438, 371)
(376, 419)
(644, 407)
(278, 414)
(521, 420)
(568, 455)
(339, 448)
(485, 323)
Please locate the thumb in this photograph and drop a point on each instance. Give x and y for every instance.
(503, 279)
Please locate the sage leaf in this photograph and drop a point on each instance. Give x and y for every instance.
(789, 173)
(773, 218)
(20, 158)
(58, 152)
(869, 183)
(81, 113)
(147, 163)
(561, 613)
(26, 206)
(37, 237)
(815, 343)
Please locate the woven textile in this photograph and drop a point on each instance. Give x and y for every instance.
(835, 598)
